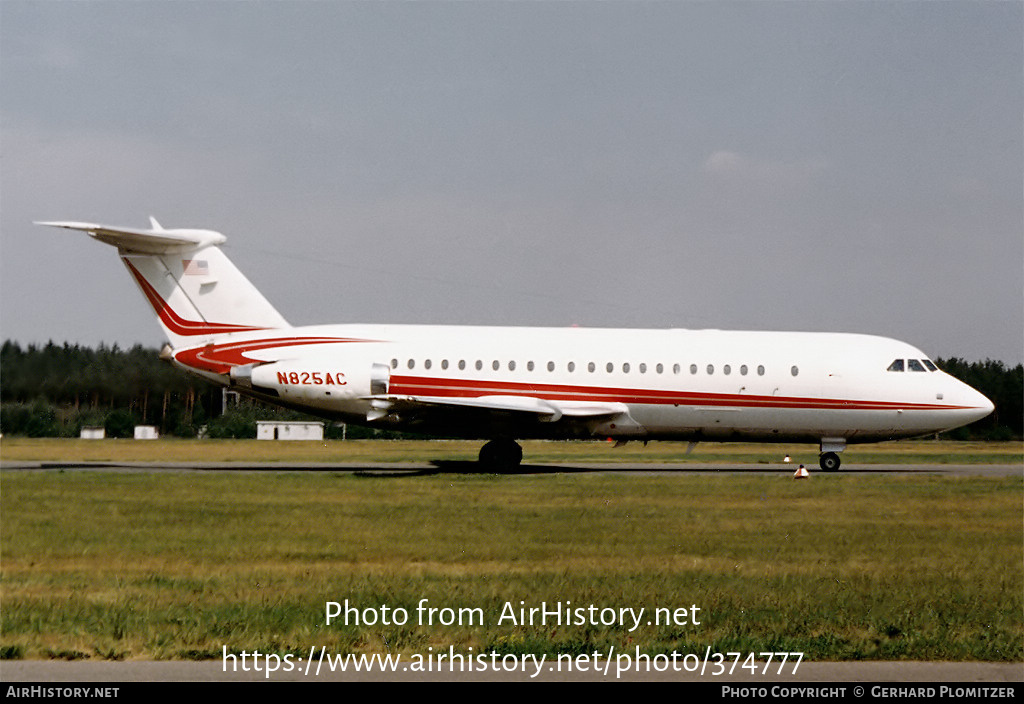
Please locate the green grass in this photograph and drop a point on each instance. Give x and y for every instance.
(180, 450)
(178, 565)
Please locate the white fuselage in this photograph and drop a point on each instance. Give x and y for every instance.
(512, 383)
(672, 384)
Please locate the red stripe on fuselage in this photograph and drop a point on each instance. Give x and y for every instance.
(471, 388)
(220, 358)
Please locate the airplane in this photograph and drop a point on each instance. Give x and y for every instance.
(503, 384)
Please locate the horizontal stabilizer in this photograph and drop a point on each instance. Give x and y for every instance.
(140, 241)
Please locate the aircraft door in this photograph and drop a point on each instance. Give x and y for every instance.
(380, 377)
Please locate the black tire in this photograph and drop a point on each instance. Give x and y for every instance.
(829, 461)
(501, 455)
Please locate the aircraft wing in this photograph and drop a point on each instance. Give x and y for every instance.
(599, 418)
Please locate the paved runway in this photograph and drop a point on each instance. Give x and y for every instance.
(472, 467)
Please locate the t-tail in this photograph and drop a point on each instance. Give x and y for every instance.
(195, 290)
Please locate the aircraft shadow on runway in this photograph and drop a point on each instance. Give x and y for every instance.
(468, 467)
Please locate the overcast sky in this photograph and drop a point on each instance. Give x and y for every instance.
(772, 165)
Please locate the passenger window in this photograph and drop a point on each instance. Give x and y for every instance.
(727, 370)
(591, 366)
(412, 364)
(794, 370)
(760, 370)
(551, 366)
(394, 364)
(915, 366)
(609, 367)
(643, 367)
(660, 368)
(572, 366)
(462, 364)
(693, 368)
(495, 365)
(444, 364)
(743, 369)
(625, 368)
(512, 366)
(676, 368)
(426, 364)
(711, 369)
(896, 366)
(479, 365)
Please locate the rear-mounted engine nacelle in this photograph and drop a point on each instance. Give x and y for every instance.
(314, 379)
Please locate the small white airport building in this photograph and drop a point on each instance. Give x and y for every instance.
(93, 432)
(289, 430)
(146, 432)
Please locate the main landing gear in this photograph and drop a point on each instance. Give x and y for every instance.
(501, 455)
(829, 461)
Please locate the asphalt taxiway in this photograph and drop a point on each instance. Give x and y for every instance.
(472, 467)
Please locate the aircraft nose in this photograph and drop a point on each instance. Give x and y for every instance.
(977, 405)
(985, 407)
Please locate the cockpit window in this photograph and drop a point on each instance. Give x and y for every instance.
(915, 366)
(931, 367)
(896, 366)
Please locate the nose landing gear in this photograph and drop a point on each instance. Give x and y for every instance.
(830, 449)
(829, 461)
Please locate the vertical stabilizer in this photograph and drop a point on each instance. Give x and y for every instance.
(195, 290)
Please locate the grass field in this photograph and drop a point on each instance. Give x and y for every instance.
(179, 565)
(178, 450)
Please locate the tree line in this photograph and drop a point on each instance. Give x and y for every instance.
(55, 390)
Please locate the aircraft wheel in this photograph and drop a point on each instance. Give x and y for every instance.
(501, 455)
(829, 461)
